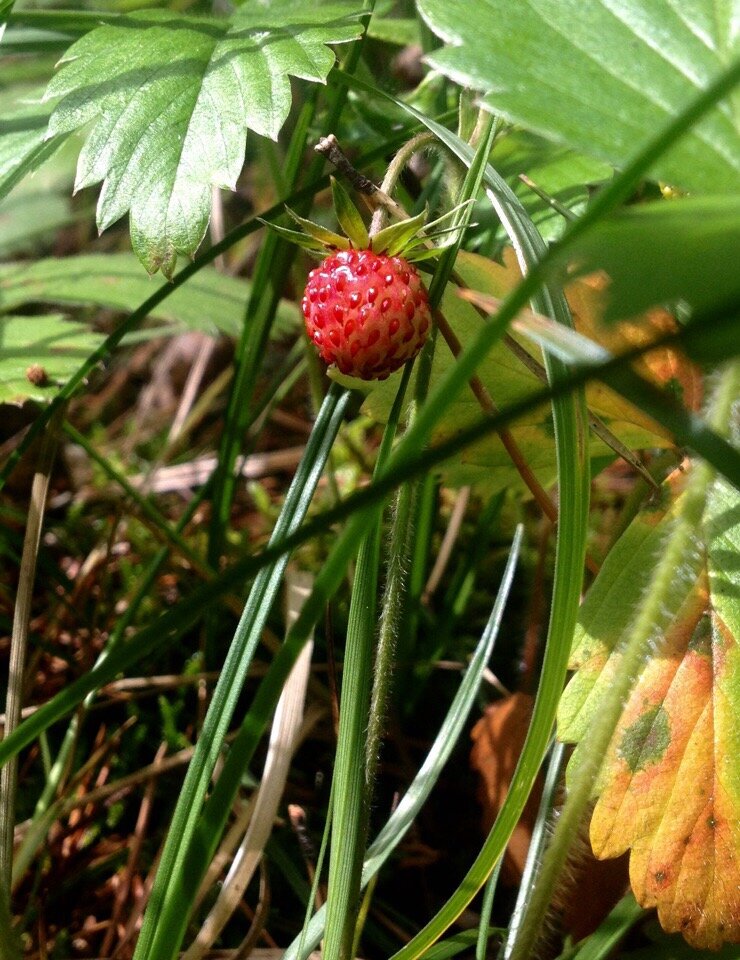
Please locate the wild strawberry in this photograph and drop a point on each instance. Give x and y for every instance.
(365, 307)
(366, 312)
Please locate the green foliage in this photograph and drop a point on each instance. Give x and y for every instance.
(39, 353)
(212, 301)
(162, 101)
(665, 252)
(600, 79)
(23, 143)
(170, 112)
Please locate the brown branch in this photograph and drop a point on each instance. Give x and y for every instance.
(488, 406)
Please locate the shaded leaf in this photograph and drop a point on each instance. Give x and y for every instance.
(561, 173)
(402, 31)
(667, 251)
(39, 205)
(507, 380)
(669, 790)
(38, 355)
(30, 219)
(170, 111)
(23, 143)
(562, 71)
(211, 301)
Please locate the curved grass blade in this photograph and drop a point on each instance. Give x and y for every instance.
(413, 800)
(689, 430)
(156, 939)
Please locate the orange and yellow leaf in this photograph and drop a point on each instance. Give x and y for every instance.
(669, 790)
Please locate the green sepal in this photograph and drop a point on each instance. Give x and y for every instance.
(450, 213)
(393, 239)
(327, 238)
(295, 236)
(423, 253)
(349, 217)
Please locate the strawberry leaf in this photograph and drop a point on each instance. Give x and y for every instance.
(669, 789)
(39, 355)
(169, 100)
(562, 71)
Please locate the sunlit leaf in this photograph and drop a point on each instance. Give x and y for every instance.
(600, 76)
(169, 99)
(670, 787)
(38, 354)
(211, 301)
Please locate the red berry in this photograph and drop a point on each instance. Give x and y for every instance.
(366, 312)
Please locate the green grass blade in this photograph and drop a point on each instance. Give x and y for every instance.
(690, 431)
(350, 786)
(273, 265)
(155, 940)
(350, 809)
(413, 800)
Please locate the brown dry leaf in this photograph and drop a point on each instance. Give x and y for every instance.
(497, 742)
(595, 886)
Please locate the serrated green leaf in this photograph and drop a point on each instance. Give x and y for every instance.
(393, 239)
(665, 251)
(348, 216)
(51, 344)
(324, 236)
(170, 99)
(599, 75)
(23, 146)
(211, 301)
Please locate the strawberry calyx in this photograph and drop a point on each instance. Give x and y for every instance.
(413, 239)
(365, 307)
